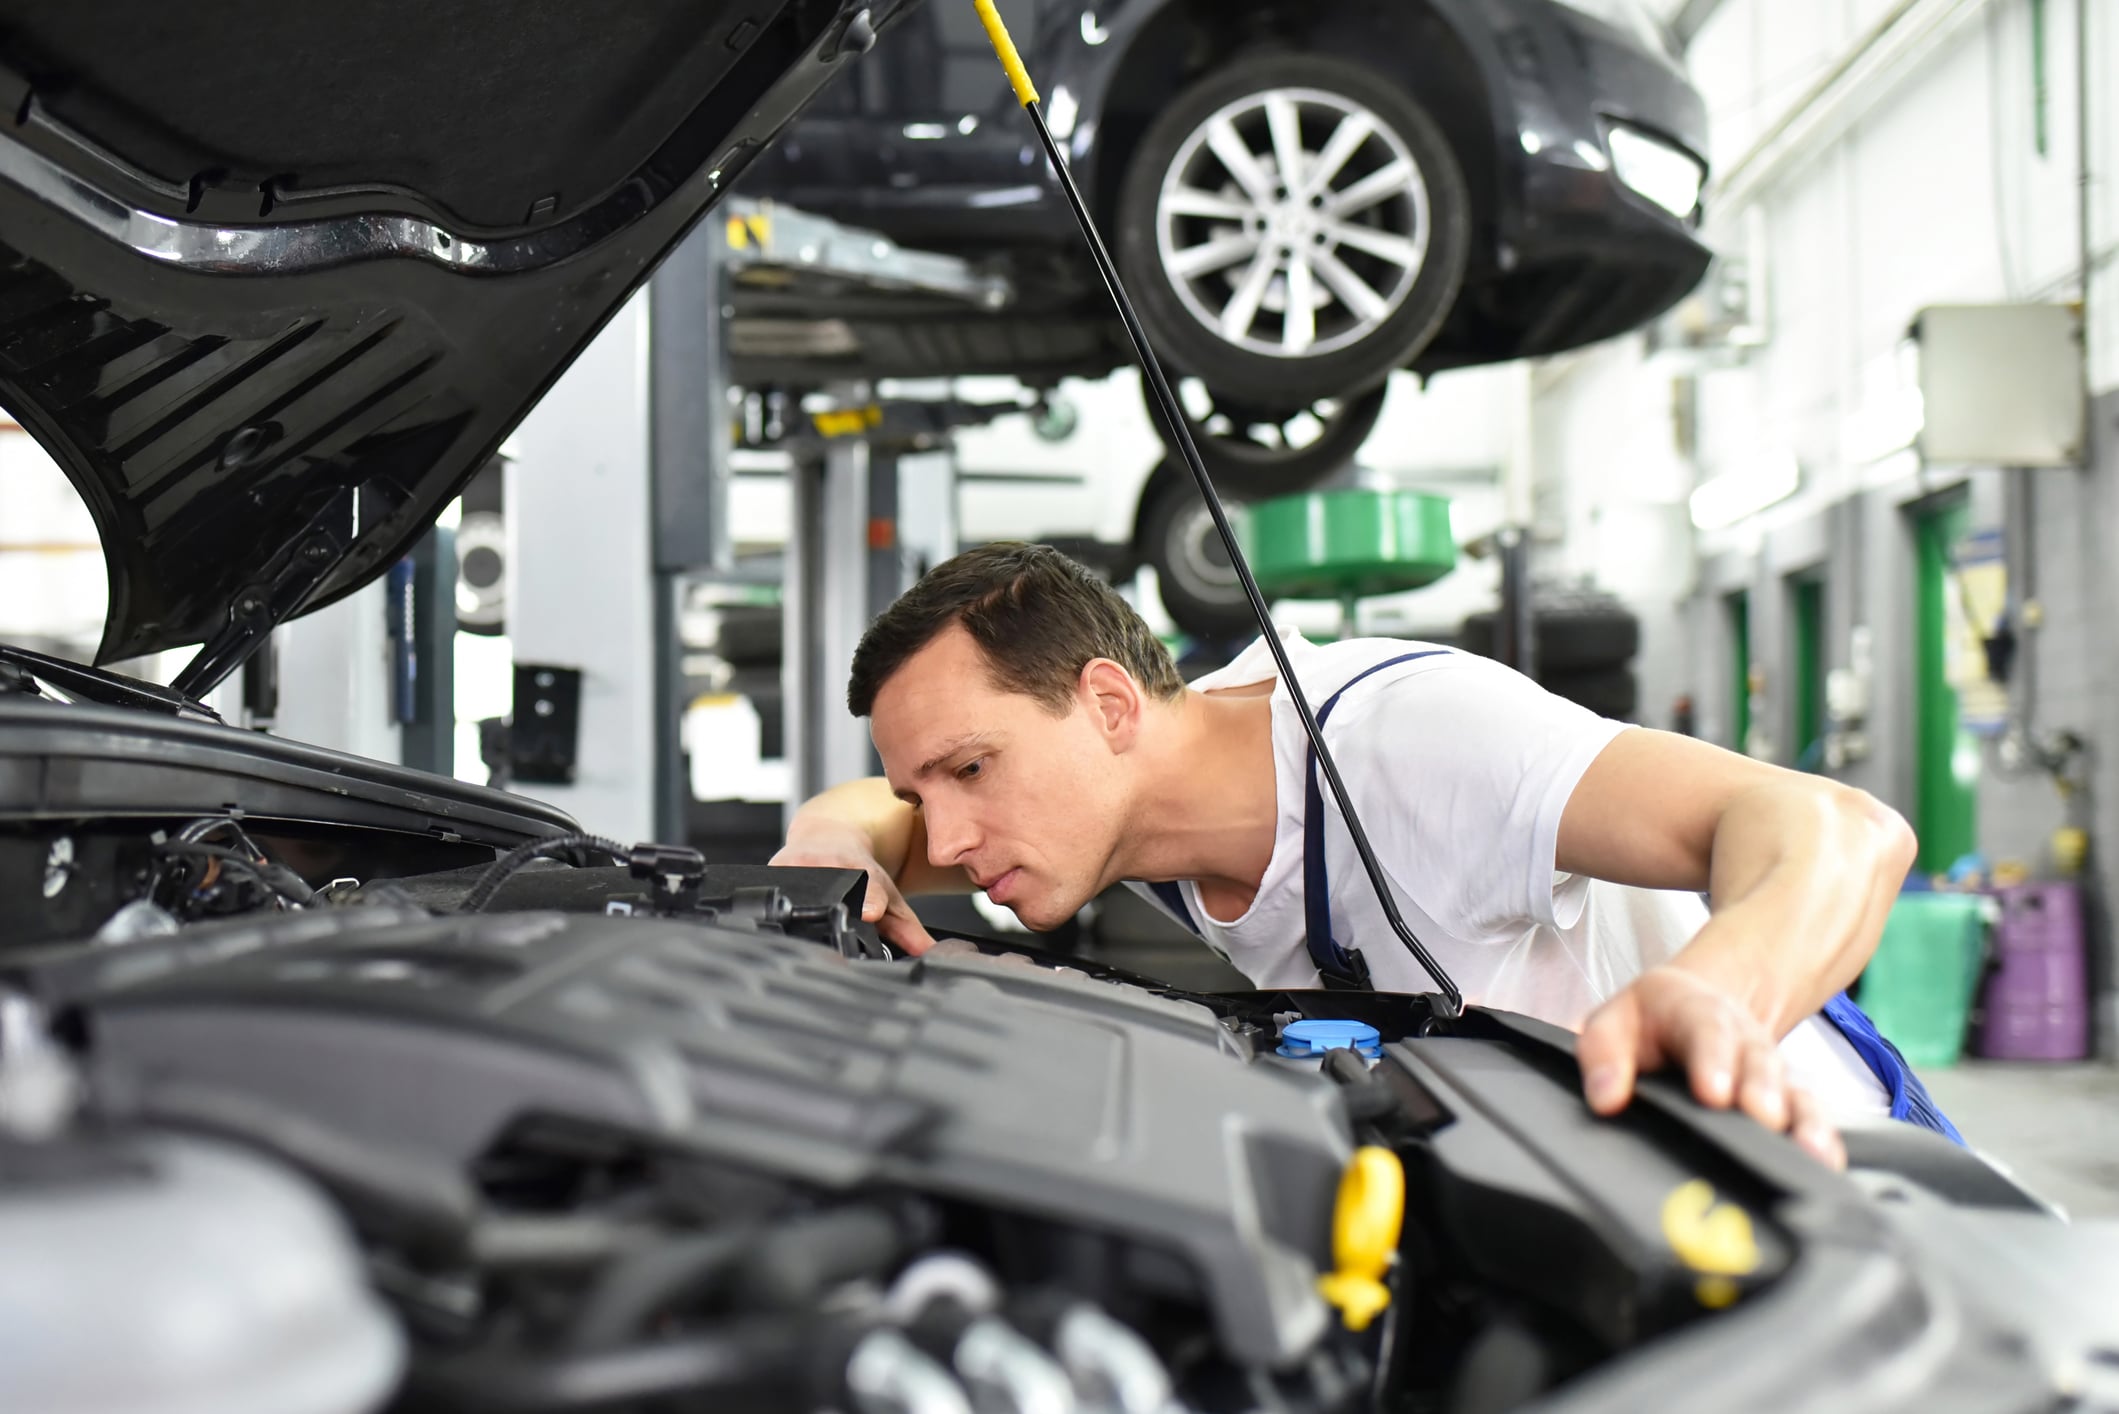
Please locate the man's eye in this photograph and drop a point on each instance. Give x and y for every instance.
(970, 770)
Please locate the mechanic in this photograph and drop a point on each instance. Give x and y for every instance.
(1038, 744)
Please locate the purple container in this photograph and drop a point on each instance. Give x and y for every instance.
(2036, 1002)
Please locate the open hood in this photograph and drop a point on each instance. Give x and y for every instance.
(276, 279)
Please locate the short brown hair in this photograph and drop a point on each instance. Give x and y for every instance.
(1036, 615)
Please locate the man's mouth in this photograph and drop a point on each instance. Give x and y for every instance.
(999, 889)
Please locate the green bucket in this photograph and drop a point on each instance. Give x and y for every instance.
(1348, 544)
(1919, 986)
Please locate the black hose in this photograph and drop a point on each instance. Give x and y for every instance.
(276, 877)
(786, 1267)
(620, 1306)
(518, 858)
(761, 1364)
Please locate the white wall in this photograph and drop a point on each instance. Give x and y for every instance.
(579, 570)
(52, 585)
(1935, 193)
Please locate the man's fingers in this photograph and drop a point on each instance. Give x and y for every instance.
(1813, 1131)
(1763, 1090)
(1609, 1052)
(1709, 1048)
(903, 928)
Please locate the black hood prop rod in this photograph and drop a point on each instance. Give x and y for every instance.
(1172, 416)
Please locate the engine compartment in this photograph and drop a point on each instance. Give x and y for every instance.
(461, 1116)
(652, 1135)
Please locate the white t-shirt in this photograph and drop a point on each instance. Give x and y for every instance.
(1460, 769)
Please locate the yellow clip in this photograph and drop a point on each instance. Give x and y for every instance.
(1365, 1227)
(1714, 1239)
(1018, 76)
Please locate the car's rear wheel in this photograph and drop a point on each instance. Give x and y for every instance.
(1294, 227)
(1176, 534)
(1275, 448)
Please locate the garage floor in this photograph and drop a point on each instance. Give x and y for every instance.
(2055, 1126)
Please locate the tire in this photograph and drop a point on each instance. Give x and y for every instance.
(750, 636)
(482, 555)
(1257, 450)
(1408, 248)
(1608, 692)
(1200, 591)
(1573, 636)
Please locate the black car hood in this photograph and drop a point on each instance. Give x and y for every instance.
(276, 279)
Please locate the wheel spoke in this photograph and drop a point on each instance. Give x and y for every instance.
(1398, 250)
(1299, 331)
(1387, 180)
(1223, 250)
(1345, 141)
(1242, 163)
(1359, 297)
(1285, 124)
(1242, 308)
(1191, 201)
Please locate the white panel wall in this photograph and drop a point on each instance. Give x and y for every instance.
(1935, 194)
(52, 585)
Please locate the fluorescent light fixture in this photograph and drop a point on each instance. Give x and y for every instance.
(968, 124)
(1726, 499)
(1092, 31)
(1883, 426)
(1663, 172)
(926, 132)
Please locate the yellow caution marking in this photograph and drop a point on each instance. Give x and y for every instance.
(1365, 1226)
(1018, 76)
(745, 231)
(848, 422)
(1713, 1238)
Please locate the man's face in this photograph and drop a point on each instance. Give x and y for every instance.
(1029, 803)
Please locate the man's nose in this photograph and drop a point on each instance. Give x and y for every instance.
(950, 837)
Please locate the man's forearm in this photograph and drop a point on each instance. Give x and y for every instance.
(866, 807)
(1803, 874)
(868, 812)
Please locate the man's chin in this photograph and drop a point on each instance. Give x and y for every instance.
(1041, 915)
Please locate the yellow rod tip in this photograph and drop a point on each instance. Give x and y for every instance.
(1003, 46)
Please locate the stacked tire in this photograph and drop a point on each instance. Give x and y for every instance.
(1583, 644)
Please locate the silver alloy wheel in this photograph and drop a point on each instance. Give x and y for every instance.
(1292, 222)
(1198, 559)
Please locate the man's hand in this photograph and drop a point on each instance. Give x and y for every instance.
(1669, 1017)
(822, 845)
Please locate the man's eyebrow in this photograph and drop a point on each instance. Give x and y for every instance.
(949, 749)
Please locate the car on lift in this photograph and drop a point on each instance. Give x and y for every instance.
(326, 1084)
(1301, 197)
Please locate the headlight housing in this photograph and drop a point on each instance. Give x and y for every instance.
(1661, 171)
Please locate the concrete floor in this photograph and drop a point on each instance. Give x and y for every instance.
(2055, 1126)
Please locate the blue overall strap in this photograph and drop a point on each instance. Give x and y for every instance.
(1909, 1098)
(1339, 967)
(1173, 898)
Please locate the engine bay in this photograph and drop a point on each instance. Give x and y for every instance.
(652, 1135)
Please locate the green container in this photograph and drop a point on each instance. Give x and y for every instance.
(1918, 988)
(1348, 544)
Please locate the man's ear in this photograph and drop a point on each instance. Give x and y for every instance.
(1114, 700)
